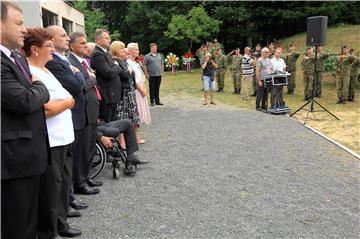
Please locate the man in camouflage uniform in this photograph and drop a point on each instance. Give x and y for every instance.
(320, 68)
(221, 63)
(354, 71)
(307, 66)
(256, 55)
(290, 61)
(343, 63)
(234, 59)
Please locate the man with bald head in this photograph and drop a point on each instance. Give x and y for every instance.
(74, 82)
(24, 144)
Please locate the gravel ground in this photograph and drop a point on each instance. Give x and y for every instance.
(219, 172)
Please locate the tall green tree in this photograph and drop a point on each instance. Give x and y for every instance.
(193, 27)
(93, 18)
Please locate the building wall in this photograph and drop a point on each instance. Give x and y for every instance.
(32, 12)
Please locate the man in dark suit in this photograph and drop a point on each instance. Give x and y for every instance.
(24, 143)
(78, 48)
(107, 75)
(74, 82)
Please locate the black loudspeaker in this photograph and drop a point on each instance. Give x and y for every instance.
(316, 31)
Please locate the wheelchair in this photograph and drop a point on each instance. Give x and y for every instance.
(113, 155)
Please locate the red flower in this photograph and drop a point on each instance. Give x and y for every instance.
(140, 59)
(188, 55)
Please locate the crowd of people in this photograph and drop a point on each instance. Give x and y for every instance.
(249, 70)
(61, 94)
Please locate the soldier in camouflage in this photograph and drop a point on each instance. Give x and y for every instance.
(354, 71)
(221, 63)
(290, 61)
(343, 63)
(307, 66)
(234, 59)
(320, 68)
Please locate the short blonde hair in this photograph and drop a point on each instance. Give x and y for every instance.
(116, 46)
(132, 45)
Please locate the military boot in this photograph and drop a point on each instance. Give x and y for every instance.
(339, 101)
(235, 90)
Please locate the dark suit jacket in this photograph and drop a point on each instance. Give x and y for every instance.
(126, 77)
(92, 102)
(107, 75)
(75, 85)
(24, 142)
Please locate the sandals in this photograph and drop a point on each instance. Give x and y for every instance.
(213, 103)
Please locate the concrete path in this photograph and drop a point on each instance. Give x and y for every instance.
(219, 172)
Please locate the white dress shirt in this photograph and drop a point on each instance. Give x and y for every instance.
(60, 127)
(278, 64)
(7, 52)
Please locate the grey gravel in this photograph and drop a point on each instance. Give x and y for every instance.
(218, 172)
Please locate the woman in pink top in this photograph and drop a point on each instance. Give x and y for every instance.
(141, 92)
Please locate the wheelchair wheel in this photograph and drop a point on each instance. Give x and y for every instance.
(98, 162)
(116, 173)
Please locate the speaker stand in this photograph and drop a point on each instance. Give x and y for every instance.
(312, 98)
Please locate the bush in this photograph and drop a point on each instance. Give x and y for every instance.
(330, 62)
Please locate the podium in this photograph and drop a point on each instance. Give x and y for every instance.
(275, 82)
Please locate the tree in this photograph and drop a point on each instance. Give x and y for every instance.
(193, 27)
(93, 18)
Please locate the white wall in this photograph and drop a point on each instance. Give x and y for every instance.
(64, 10)
(31, 12)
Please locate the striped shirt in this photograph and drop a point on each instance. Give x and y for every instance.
(247, 66)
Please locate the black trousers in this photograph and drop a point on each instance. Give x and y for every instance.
(113, 129)
(154, 84)
(92, 140)
(19, 207)
(55, 186)
(81, 155)
(262, 97)
(107, 111)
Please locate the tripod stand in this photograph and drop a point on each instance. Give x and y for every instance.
(312, 100)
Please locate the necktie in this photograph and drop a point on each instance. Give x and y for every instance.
(98, 95)
(21, 66)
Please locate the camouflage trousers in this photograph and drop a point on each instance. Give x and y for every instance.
(318, 83)
(291, 82)
(308, 85)
(236, 78)
(254, 84)
(342, 86)
(352, 85)
(220, 78)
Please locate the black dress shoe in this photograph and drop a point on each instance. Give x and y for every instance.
(159, 103)
(152, 104)
(133, 159)
(71, 232)
(86, 190)
(73, 213)
(78, 205)
(93, 183)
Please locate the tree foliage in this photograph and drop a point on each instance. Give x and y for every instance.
(242, 22)
(93, 18)
(195, 26)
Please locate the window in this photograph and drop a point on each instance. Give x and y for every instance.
(49, 18)
(67, 25)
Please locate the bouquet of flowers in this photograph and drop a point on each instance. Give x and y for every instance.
(172, 61)
(140, 59)
(187, 59)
